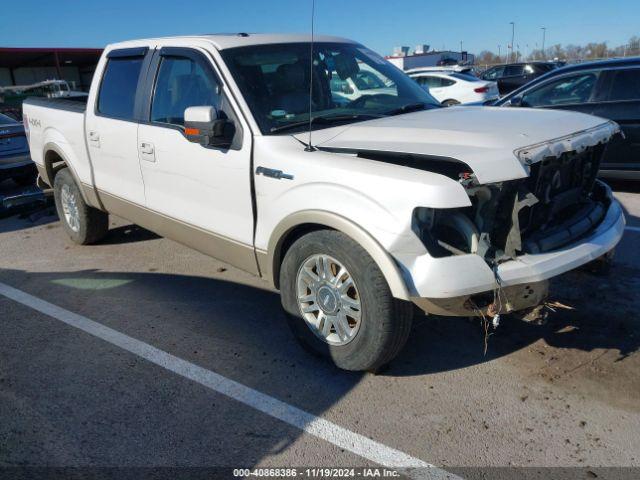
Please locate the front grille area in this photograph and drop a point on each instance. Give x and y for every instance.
(568, 205)
(562, 185)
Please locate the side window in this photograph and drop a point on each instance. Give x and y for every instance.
(431, 82)
(493, 73)
(513, 70)
(181, 83)
(447, 82)
(567, 90)
(117, 94)
(625, 85)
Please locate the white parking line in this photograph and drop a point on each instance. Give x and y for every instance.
(316, 426)
(632, 229)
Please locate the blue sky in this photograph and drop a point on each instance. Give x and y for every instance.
(379, 24)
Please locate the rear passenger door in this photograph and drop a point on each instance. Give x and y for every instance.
(619, 100)
(434, 85)
(112, 126)
(198, 195)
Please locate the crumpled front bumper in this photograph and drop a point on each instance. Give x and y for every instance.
(447, 282)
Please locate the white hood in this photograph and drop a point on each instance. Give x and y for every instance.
(497, 143)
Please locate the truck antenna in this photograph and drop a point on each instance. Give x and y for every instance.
(309, 147)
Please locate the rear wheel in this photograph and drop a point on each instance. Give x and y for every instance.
(83, 224)
(450, 102)
(339, 304)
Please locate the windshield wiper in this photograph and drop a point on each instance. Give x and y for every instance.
(326, 121)
(410, 107)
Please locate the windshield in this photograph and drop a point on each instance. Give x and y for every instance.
(350, 83)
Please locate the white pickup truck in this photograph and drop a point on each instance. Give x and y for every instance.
(355, 211)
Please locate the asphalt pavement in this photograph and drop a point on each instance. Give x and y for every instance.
(139, 352)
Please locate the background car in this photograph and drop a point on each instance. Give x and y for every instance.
(608, 89)
(514, 75)
(15, 160)
(365, 82)
(453, 88)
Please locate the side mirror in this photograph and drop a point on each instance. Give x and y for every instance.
(516, 101)
(208, 127)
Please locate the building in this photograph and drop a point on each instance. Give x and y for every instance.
(422, 57)
(26, 66)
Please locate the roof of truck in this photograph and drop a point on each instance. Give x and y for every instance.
(222, 41)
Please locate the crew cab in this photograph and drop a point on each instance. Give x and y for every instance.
(233, 145)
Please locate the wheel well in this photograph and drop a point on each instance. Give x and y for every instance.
(53, 162)
(288, 239)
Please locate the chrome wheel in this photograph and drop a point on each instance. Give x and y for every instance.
(328, 299)
(70, 208)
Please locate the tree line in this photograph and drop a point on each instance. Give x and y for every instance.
(590, 51)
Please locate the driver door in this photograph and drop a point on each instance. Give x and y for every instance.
(198, 195)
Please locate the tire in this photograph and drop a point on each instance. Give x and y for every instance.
(91, 225)
(451, 102)
(384, 321)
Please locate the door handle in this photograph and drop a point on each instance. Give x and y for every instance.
(94, 137)
(146, 148)
(270, 172)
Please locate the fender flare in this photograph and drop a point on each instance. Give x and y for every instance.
(389, 268)
(88, 193)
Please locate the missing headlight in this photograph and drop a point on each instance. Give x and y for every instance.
(445, 232)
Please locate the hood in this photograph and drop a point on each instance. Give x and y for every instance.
(496, 143)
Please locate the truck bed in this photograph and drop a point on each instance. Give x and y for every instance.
(72, 104)
(58, 122)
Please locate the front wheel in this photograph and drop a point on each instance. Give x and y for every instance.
(339, 304)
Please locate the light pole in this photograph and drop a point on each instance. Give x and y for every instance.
(544, 34)
(513, 32)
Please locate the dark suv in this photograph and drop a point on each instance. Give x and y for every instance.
(608, 89)
(514, 75)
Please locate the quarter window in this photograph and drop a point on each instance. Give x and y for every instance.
(182, 83)
(117, 94)
(567, 90)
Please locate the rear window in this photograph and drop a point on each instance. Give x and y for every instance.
(118, 88)
(625, 85)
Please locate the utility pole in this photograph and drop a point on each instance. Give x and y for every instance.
(513, 33)
(544, 34)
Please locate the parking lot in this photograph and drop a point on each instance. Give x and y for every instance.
(157, 387)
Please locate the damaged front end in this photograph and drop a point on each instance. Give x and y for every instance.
(559, 203)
